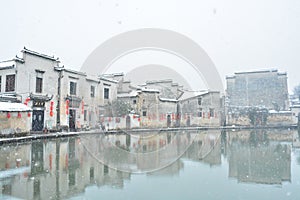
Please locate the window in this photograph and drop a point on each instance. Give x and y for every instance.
(199, 100)
(144, 113)
(211, 112)
(39, 85)
(92, 91)
(106, 93)
(134, 101)
(105, 169)
(73, 88)
(10, 83)
(0, 83)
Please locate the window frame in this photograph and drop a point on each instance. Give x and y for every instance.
(93, 91)
(106, 93)
(37, 86)
(73, 91)
(10, 84)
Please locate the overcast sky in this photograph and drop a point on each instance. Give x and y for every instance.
(237, 35)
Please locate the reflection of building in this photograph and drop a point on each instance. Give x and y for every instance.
(206, 147)
(256, 157)
(53, 169)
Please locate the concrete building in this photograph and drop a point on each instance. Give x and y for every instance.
(265, 88)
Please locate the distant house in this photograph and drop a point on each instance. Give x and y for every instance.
(265, 88)
(201, 108)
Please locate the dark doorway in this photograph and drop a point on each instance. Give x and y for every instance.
(128, 122)
(38, 120)
(169, 121)
(188, 121)
(72, 119)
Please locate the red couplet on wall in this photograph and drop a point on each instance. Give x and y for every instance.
(67, 106)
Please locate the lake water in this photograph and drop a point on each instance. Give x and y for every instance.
(246, 164)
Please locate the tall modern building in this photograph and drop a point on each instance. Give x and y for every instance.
(265, 88)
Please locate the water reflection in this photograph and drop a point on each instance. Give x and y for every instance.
(65, 167)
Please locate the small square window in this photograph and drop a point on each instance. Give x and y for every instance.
(134, 101)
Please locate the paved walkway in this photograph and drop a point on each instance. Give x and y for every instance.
(37, 136)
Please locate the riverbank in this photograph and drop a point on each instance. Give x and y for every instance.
(41, 135)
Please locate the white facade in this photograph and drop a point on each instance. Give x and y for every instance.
(54, 93)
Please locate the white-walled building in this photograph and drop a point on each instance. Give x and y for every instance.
(32, 80)
(60, 98)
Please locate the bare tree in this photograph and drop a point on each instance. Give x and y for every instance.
(297, 91)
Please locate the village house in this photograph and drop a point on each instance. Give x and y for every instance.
(60, 98)
(263, 88)
(258, 98)
(32, 80)
(201, 108)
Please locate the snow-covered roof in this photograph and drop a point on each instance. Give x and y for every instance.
(7, 64)
(149, 90)
(92, 78)
(107, 79)
(130, 94)
(191, 94)
(280, 112)
(25, 50)
(168, 100)
(295, 106)
(13, 107)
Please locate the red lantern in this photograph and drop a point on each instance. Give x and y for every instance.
(19, 115)
(28, 114)
(51, 108)
(26, 101)
(8, 115)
